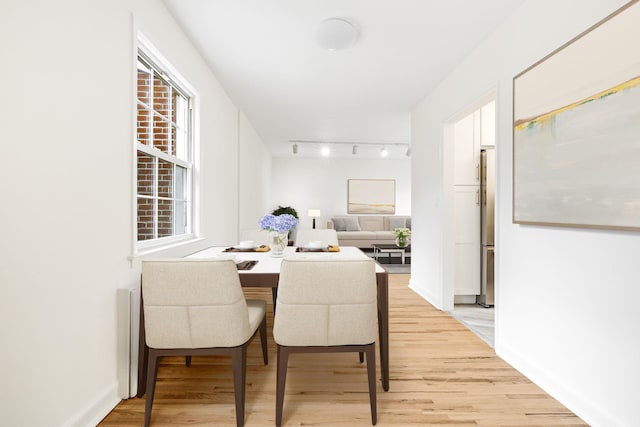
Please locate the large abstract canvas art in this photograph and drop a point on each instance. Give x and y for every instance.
(371, 196)
(576, 136)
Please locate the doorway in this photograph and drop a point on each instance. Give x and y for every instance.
(472, 138)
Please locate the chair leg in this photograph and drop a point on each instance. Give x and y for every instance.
(371, 373)
(187, 361)
(283, 361)
(361, 356)
(239, 361)
(263, 340)
(152, 372)
(274, 297)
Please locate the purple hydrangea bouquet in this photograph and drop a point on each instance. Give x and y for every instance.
(280, 223)
(279, 226)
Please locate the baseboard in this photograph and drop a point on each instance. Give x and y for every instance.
(93, 413)
(588, 411)
(430, 298)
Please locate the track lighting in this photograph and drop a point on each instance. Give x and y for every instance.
(360, 148)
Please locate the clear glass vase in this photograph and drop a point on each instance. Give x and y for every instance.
(402, 242)
(279, 241)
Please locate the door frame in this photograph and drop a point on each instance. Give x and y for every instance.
(448, 206)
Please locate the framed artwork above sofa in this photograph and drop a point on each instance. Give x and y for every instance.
(371, 196)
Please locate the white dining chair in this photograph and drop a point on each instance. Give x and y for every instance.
(326, 306)
(327, 236)
(197, 307)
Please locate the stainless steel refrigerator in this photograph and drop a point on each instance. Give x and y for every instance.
(487, 202)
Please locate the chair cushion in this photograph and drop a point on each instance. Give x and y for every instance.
(357, 235)
(384, 235)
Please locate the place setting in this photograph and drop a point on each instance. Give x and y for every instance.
(245, 246)
(317, 246)
(241, 264)
(248, 246)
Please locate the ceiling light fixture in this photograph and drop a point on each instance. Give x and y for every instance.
(335, 34)
(357, 147)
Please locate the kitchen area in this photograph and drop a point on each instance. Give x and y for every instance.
(474, 201)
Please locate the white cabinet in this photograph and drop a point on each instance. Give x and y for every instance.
(471, 133)
(467, 240)
(467, 137)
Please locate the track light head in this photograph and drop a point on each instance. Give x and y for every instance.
(384, 152)
(354, 150)
(408, 153)
(295, 148)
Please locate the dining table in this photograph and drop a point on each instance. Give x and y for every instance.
(265, 273)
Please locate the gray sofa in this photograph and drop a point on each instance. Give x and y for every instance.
(366, 230)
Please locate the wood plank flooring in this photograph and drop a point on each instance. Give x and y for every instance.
(441, 374)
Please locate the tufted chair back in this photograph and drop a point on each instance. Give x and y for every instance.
(322, 302)
(194, 303)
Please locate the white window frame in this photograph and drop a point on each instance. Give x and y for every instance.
(151, 55)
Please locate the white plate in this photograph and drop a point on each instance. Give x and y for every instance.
(317, 248)
(245, 247)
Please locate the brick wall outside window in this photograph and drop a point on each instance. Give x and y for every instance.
(161, 184)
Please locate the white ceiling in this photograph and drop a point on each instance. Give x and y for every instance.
(263, 53)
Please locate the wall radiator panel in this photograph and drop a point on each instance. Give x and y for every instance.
(128, 333)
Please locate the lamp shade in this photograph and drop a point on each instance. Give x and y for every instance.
(314, 213)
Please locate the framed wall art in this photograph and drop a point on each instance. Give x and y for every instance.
(371, 196)
(576, 133)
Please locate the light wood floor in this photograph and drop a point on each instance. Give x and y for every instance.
(441, 373)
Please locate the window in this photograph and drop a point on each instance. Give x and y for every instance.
(164, 155)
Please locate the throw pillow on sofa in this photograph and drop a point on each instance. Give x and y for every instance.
(352, 224)
(397, 223)
(338, 224)
(408, 223)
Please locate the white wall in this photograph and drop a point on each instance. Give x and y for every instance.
(254, 177)
(322, 184)
(566, 298)
(67, 120)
